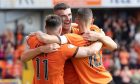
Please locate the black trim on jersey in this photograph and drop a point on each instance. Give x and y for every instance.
(59, 38)
(75, 52)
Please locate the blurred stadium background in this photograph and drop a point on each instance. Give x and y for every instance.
(120, 19)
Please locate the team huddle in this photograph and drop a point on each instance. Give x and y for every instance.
(66, 52)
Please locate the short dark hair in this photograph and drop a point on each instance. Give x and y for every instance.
(53, 21)
(85, 13)
(61, 6)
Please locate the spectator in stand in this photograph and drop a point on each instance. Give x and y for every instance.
(19, 35)
(107, 61)
(133, 57)
(116, 76)
(116, 60)
(137, 48)
(124, 57)
(8, 72)
(19, 51)
(117, 31)
(4, 39)
(125, 75)
(135, 78)
(132, 26)
(2, 53)
(0, 73)
(9, 53)
(17, 69)
(3, 67)
(107, 23)
(137, 37)
(10, 36)
(125, 34)
(109, 32)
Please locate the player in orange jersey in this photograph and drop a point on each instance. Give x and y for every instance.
(64, 12)
(48, 68)
(93, 66)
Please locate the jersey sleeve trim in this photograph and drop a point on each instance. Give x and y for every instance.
(63, 39)
(59, 39)
(75, 52)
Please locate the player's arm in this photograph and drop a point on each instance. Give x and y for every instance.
(89, 50)
(34, 49)
(74, 39)
(30, 54)
(81, 52)
(45, 38)
(30, 51)
(67, 38)
(106, 40)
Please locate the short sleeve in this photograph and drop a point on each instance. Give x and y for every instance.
(70, 50)
(95, 28)
(33, 42)
(76, 39)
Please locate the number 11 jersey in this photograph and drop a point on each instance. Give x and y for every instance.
(49, 68)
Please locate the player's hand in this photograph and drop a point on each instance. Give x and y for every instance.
(31, 34)
(49, 48)
(34, 33)
(102, 32)
(43, 37)
(93, 36)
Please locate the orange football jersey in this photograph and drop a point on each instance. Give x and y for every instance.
(70, 75)
(90, 69)
(49, 68)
